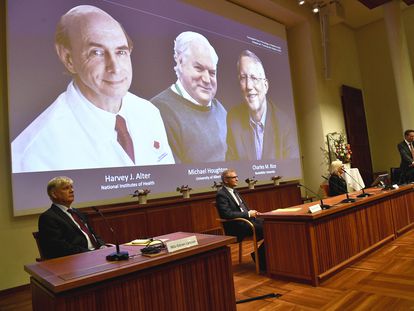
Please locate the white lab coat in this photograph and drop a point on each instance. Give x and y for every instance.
(72, 133)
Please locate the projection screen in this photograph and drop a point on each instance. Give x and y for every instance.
(37, 77)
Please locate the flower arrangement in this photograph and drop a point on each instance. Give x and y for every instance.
(251, 182)
(141, 192)
(185, 191)
(184, 188)
(217, 185)
(276, 179)
(142, 195)
(341, 149)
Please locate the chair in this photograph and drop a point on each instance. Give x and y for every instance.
(36, 237)
(395, 175)
(252, 238)
(325, 190)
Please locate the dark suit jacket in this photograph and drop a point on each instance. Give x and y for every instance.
(279, 142)
(337, 185)
(59, 236)
(407, 172)
(228, 208)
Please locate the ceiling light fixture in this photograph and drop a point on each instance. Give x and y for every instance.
(301, 2)
(315, 8)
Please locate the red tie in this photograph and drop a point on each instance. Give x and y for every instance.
(124, 138)
(83, 227)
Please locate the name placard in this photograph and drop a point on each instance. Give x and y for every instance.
(314, 208)
(176, 245)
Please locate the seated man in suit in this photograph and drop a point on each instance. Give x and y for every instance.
(230, 205)
(64, 230)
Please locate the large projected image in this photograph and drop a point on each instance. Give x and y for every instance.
(121, 95)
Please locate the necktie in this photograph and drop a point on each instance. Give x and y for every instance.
(411, 149)
(240, 201)
(83, 227)
(124, 139)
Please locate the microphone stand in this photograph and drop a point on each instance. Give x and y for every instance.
(322, 205)
(118, 255)
(363, 194)
(348, 199)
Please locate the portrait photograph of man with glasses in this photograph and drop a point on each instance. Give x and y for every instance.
(257, 129)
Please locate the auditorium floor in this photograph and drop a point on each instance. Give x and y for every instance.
(383, 280)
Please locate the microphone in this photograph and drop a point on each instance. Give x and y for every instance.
(348, 199)
(323, 206)
(118, 255)
(363, 194)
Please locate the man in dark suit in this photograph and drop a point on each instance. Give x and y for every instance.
(407, 162)
(256, 128)
(231, 205)
(64, 230)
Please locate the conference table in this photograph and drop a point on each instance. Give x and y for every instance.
(311, 247)
(195, 278)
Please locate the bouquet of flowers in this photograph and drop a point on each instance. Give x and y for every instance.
(141, 192)
(183, 188)
(217, 185)
(251, 181)
(342, 149)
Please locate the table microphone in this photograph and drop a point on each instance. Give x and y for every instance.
(363, 194)
(348, 199)
(118, 255)
(323, 206)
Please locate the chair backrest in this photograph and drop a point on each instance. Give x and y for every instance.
(36, 237)
(325, 190)
(395, 174)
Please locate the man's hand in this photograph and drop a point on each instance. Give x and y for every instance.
(253, 213)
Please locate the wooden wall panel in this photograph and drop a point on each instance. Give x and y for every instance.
(169, 219)
(128, 226)
(289, 254)
(131, 220)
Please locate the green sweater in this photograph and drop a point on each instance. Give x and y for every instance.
(195, 133)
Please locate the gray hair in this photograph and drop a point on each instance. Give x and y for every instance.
(72, 16)
(252, 56)
(183, 43)
(335, 165)
(225, 173)
(57, 182)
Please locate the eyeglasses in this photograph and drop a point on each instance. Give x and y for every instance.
(232, 177)
(255, 80)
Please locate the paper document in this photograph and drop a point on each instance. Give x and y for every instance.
(144, 242)
(288, 209)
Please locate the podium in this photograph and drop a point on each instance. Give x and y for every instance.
(196, 278)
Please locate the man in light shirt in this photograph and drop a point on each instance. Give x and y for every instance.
(195, 121)
(96, 122)
(257, 129)
(406, 150)
(64, 230)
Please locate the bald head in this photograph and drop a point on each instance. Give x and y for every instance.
(95, 49)
(72, 20)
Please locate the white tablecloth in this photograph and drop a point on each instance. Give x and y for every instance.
(354, 183)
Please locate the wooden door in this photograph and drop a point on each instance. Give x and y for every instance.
(356, 131)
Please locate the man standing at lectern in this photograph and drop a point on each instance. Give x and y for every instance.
(231, 205)
(64, 230)
(406, 150)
